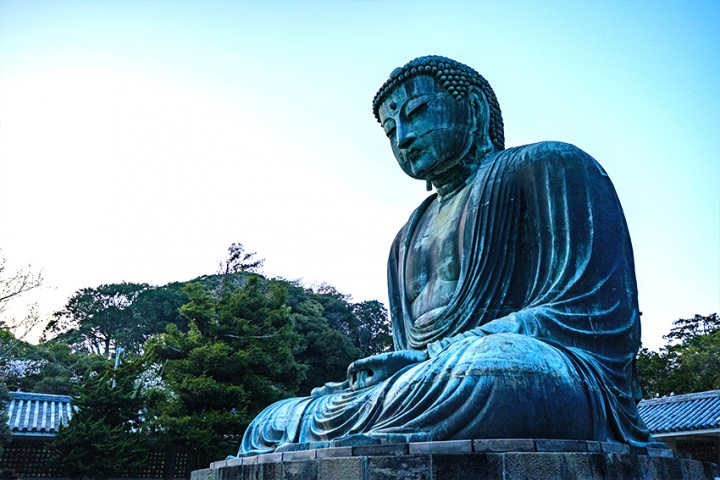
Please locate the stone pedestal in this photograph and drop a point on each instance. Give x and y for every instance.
(465, 459)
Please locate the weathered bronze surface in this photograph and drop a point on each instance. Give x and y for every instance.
(512, 290)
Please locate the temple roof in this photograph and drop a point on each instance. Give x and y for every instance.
(682, 413)
(37, 414)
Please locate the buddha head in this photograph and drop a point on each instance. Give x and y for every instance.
(440, 116)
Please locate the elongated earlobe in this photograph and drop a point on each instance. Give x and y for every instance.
(481, 115)
(428, 185)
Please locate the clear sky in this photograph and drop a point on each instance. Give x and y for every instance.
(138, 139)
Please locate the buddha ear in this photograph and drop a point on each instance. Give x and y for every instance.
(480, 110)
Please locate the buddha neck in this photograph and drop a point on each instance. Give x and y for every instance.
(452, 181)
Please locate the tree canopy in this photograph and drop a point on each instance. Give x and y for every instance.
(236, 357)
(97, 320)
(105, 437)
(209, 354)
(688, 363)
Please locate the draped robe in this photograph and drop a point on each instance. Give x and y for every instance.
(538, 339)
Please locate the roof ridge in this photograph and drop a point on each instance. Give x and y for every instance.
(684, 397)
(39, 396)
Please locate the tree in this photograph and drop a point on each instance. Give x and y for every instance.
(326, 351)
(689, 362)
(13, 284)
(686, 330)
(365, 323)
(104, 438)
(97, 320)
(50, 367)
(373, 331)
(239, 260)
(236, 357)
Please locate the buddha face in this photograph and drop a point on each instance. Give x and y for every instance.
(429, 131)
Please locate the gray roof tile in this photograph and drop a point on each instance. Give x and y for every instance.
(37, 414)
(680, 413)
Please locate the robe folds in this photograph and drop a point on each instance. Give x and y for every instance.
(539, 338)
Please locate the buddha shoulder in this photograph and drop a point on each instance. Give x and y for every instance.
(546, 156)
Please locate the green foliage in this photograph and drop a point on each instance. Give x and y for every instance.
(335, 332)
(686, 330)
(98, 320)
(373, 334)
(104, 436)
(236, 357)
(689, 362)
(365, 323)
(50, 367)
(216, 351)
(250, 342)
(239, 260)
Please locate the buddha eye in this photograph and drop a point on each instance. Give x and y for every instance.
(389, 128)
(416, 106)
(417, 109)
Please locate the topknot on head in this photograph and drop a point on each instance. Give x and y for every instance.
(455, 78)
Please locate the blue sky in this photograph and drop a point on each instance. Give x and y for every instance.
(139, 139)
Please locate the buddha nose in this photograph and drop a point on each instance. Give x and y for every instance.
(405, 136)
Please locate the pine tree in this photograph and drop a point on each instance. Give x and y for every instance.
(103, 438)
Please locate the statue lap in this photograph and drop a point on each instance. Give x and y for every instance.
(499, 386)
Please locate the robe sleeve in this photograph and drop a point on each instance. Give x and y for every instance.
(573, 283)
(573, 279)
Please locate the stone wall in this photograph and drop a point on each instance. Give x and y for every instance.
(466, 459)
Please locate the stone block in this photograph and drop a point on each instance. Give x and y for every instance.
(659, 467)
(349, 468)
(548, 466)
(689, 468)
(593, 446)
(430, 448)
(301, 470)
(614, 447)
(660, 452)
(204, 474)
(552, 445)
(272, 471)
(230, 473)
(334, 452)
(299, 455)
(386, 462)
(456, 467)
(270, 458)
(411, 467)
(504, 445)
(393, 450)
(637, 450)
(218, 464)
(621, 467)
(251, 472)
